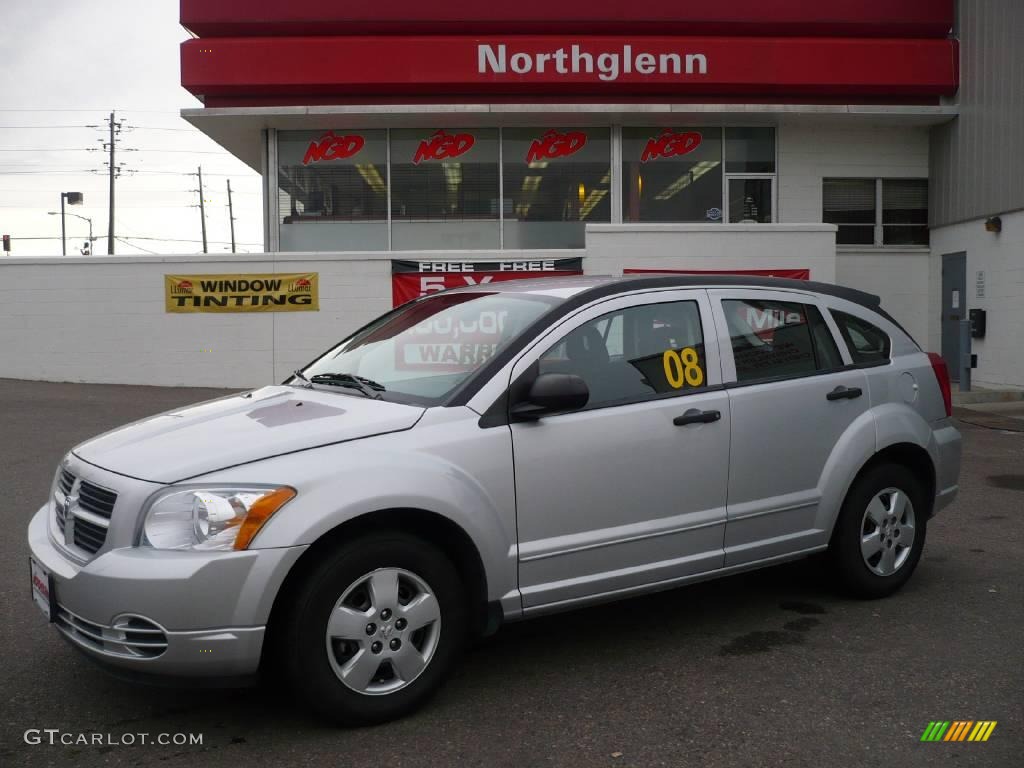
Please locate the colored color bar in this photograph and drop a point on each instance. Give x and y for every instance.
(937, 734)
(988, 731)
(926, 736)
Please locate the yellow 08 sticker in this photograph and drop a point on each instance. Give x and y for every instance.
(682, 367)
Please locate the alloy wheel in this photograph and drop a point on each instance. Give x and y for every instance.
(887, 531)
(383, 631)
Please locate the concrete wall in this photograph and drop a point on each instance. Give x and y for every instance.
(905, 280)
(614, 247)
(102, 319)
(1001, 258)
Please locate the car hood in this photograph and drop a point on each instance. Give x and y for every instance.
(237, 429)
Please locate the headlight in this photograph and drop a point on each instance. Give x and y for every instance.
(211, 518)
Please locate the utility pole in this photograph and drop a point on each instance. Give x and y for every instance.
(63, 229)
(231, 217)
(202, 208)
(115, 128)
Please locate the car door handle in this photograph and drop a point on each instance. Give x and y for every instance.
(693, 416)
(844, 393)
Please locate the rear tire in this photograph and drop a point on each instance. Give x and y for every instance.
(375, 629)
(880, 532)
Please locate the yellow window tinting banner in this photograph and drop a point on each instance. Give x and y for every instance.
(242, 293)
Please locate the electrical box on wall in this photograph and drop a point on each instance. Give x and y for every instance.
(977, 317)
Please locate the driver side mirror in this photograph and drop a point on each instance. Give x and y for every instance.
(552, 393)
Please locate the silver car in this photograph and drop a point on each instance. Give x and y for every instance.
(490, 454)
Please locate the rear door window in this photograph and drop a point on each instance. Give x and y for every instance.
(778, 339)
(868, 344)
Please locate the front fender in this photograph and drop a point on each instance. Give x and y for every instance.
(455, 470)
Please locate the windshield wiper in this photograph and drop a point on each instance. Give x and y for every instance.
(301, 377)
(368, 387)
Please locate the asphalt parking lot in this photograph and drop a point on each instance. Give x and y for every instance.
(763, 669)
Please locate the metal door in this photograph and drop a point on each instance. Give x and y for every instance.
(954, 299)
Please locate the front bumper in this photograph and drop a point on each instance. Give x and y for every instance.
(152, 614)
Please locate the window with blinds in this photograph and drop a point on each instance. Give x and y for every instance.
(850, 204)
(332, 190)
(905, 211)
(556, 180)
(444, 189)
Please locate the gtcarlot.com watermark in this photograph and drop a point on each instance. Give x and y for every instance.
(57, 737)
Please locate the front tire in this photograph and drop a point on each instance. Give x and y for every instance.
(375, 629)
(880, 532)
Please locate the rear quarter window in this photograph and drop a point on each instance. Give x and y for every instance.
(867, 342)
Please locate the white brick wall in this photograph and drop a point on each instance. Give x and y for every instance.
(810, 151)
(614, 247)
(1001, 257)
(813, 150)
(101, 319)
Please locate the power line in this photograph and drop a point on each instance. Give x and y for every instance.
(46, 127)
(139, 247)
(186, 240)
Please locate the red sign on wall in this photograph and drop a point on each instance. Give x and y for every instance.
(333, 147)
(443, 146)
(412, 279)
(553, 145)
(846, 18)
(309, 70)
(669, 144)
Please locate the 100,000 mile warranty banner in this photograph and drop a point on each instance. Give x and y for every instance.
(242, 293)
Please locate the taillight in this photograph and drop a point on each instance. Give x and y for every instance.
(942, 374)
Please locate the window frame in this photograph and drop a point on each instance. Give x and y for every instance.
(879, 225)
(524, 370)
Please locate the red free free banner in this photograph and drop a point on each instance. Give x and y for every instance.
(412, 279)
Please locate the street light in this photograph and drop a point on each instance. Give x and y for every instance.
(83, 218)
(73, 198)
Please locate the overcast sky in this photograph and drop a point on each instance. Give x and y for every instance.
(64, 65)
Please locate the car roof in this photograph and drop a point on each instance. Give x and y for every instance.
(588, 287)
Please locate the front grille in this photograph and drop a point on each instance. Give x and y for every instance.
(89, 536)
(130, 636)
(89, 505)
(94, 499)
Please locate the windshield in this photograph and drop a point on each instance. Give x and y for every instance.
(422, 352)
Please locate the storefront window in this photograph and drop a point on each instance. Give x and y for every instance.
(556, 180)
(750, 150)
(332, 190)
(750, 201)
(672, 174)
(444, 189)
